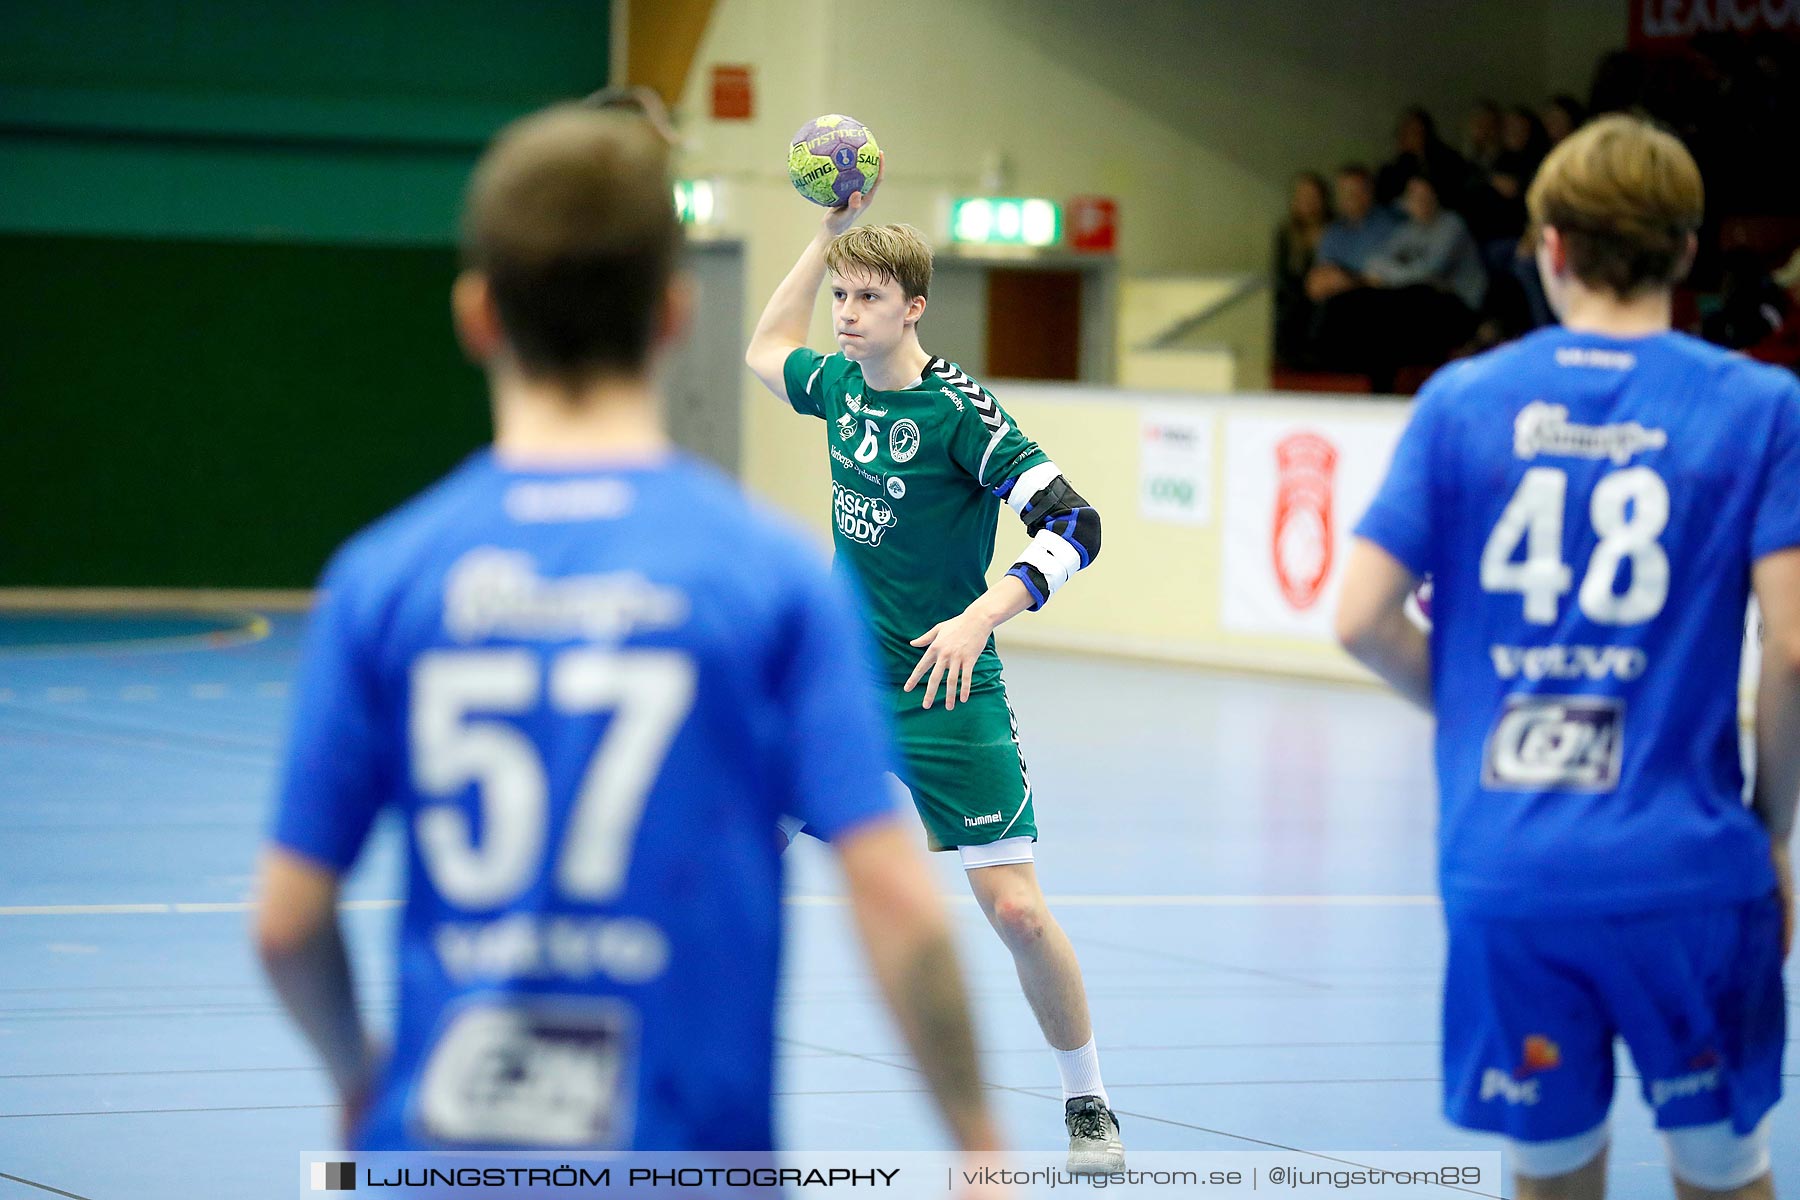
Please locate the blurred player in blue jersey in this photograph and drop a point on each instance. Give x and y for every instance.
(587, 675)
(1594, 505)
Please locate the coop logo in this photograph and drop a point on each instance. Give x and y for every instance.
(334, 1177)
(861, 518)
(1306, 465)
(1170, 490)
(1556, 743)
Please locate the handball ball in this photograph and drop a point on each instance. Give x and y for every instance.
(833, 156)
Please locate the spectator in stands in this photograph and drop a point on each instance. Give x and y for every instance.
(1360, 228)
(1515, 298)
(1759, 312)
(1781, 345)
(1419, 298)
(1523, 145)
(1418, 150)
(1481, 136)
(1432, 250)
(1296, 253)
(1562, 115)
(1752, 304)
(1482, 148)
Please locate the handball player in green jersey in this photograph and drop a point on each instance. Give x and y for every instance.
(922, 457)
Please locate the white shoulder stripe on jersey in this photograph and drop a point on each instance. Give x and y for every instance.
(1030, 484)
(993, 443)
(815, 376)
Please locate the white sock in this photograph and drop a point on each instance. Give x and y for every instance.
(1080, 1070)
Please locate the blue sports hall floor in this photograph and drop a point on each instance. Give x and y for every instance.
(1244, 864)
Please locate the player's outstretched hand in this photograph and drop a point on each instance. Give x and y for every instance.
(838, 219)
(951, 650)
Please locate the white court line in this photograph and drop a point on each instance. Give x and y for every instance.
(1201, 901)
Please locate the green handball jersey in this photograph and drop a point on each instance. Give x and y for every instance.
(914, 475)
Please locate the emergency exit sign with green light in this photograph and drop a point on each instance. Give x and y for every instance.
(994, 221)
(694, 201)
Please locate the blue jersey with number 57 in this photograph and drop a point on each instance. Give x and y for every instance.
(1589, 509)
(588, 694)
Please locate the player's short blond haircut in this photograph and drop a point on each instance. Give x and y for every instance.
(1625, 196)
(896, 252)
(570, 216)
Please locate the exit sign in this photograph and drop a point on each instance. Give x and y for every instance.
(694, 201)
(1005, 221)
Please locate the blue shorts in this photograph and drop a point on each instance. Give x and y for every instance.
(1532, 1007)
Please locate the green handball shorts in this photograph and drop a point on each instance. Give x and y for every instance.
(964, 768)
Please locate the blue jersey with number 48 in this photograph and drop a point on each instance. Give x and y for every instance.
(588, 694)
(1589, 509)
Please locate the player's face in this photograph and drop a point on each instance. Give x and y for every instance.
(869, 316)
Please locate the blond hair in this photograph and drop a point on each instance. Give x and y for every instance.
(569, 216)
(896, 252)
(1625, 196)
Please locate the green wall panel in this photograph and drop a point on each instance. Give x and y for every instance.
(218, 414)
(471, 49)
(323, 120)
(226, 239)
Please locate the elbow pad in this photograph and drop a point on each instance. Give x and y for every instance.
(1065, 530)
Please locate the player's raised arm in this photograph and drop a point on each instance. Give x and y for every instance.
(785, 319)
